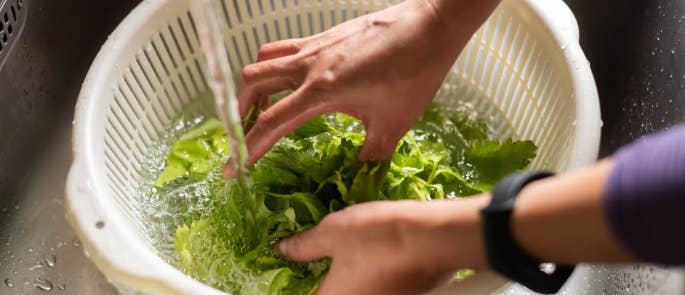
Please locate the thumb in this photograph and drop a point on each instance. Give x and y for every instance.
(307, 246)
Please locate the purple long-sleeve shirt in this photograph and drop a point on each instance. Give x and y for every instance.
(645, 197)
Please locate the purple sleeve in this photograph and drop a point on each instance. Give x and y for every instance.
(645, 197)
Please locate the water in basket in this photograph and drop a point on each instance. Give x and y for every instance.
(523, 69)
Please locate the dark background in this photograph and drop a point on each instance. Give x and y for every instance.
(638, 59)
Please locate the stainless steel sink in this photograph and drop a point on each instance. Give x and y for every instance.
(46, 59)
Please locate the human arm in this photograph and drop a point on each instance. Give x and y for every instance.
(411, 247)
(383, 68)
(639, 197)
(625, 209)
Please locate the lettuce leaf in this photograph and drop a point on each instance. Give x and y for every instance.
(195, 153)
(228, 242)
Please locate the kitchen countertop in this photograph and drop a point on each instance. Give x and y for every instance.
(635, 50)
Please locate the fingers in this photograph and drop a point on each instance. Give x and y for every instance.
(307, 246)
(279, 120)
(380, 142)
(268, 77)
(278, 49)
(274, 68)
(258, 93)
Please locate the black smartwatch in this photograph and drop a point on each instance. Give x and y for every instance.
(504, 254)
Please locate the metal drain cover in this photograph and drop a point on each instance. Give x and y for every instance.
(12, 19)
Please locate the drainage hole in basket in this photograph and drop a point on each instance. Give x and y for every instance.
(100, 224)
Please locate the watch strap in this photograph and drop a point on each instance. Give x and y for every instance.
(504, 254)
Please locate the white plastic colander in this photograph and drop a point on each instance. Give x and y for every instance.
(524, 68)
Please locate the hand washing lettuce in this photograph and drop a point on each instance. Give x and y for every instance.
(229, 244)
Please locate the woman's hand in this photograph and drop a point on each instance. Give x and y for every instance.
(402, 247)
(411, 247)
(383, 68)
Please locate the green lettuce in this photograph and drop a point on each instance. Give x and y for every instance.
(314, 171)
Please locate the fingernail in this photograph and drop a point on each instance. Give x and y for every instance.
(282, 247)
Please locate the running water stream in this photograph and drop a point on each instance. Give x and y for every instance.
(211, 33)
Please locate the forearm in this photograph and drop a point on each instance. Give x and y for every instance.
(563, 219)
(626, 209)
(464, 16)
(559, 219)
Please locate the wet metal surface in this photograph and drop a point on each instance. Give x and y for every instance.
(39, 83)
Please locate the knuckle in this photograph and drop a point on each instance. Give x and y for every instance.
(372, 149)
(249, 73)
(265, 121)
(299, 61)
(290, 45)
(325, 80)
(265, 48)
(293, 247)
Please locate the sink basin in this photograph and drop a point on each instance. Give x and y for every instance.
(43, 71)
(39, 82)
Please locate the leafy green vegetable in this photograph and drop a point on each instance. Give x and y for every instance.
(196, 153)
(228, 242)
(493, 160)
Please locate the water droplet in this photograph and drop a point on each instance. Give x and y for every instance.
(62, 287)
(50, 260)
(76, 243)
(43, 284)
(9, 283)
(38, 265)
